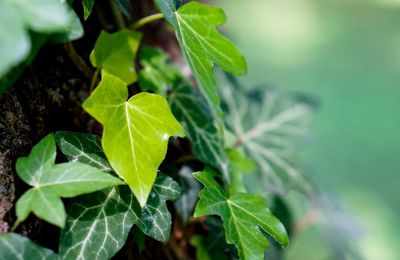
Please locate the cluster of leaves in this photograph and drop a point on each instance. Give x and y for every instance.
(115, 179)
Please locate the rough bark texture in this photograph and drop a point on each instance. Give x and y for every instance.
(48, 98)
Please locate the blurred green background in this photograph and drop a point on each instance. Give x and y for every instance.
(346, 54)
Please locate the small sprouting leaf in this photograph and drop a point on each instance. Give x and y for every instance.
(19, 16)
(15, 246)
(203, 46)
(87, 8)
(136, 132)
(51, 181)
(111, 213)
(243, 214)
(269, 126)
(192, 110)
(85, 148)
(115, 53)
(157, 75)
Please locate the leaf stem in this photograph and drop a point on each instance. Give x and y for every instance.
(16, 223)
(119, 20)
(146, 20)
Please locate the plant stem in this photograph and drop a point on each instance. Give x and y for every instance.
(78, 61)
(146, 20)
(16, 223)
(119, 20)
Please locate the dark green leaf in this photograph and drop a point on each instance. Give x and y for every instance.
(115, 53)
(168, 8)
(111, 212)
(85, 148)
(51, 181)
(87, 8)
(192, 110)
(15, 246)
(99, 223)
(243, 215)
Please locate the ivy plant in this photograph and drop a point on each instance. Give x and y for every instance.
(168, 134)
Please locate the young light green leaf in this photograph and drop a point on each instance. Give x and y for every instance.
(15, 246)
(19, 16)
(87, 8)
(115, 53)
(243, 215)
(192, 110)
(51, 181)
(99, 223)
(85, 148)
(136, 132)
(202, 45)
(269, 126)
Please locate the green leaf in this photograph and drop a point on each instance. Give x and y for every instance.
(15, 246)
(187, 104)
(111, 212)
(156, 75)
(243, 214)
(99, 223)
(51, 181)
(240, 165)
(87, 8)
(19, 16)
(269, 125)
(206, 248)
(115, 53)
(168, 8)
(202, 45)
(192, 110)
(136, 132)
(85, 148)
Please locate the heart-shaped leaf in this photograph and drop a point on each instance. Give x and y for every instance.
(136, 132)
